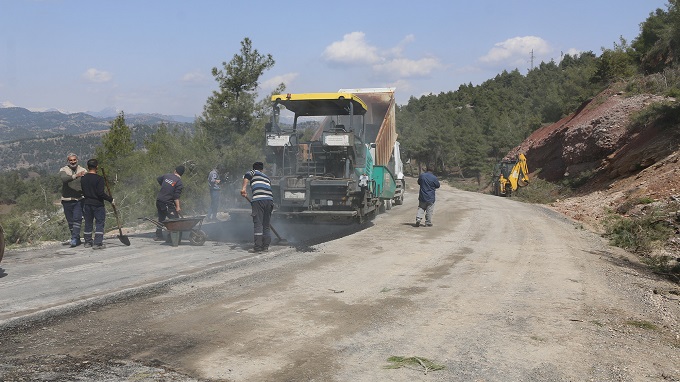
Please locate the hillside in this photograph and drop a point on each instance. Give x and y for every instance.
(41, 140)
(17, 123)
(622, 163)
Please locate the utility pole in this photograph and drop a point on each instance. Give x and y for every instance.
(532, 60)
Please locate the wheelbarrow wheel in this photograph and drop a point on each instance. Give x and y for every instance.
(197, 237)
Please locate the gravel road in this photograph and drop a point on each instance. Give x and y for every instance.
(496, 290)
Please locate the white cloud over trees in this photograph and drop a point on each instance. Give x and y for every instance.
(516, 51)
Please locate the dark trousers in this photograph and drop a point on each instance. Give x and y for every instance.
(166, 210)
(96, 215)
(262, 213)
(73, 210)
(214, 203)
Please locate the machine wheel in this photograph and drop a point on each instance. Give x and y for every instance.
(388, 205)
(197, 237)
(399, 201)
(496, 188)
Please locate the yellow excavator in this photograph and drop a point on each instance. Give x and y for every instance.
(508, 175)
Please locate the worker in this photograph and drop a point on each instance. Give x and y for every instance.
(261, 203)
(426, 196)
(72, 197)
(167, 201)
(93, 205)
(214, 187)
(363, 186)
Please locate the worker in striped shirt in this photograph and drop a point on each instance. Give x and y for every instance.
(262, 204)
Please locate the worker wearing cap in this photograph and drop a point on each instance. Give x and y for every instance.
(167, 201)
(261, 203)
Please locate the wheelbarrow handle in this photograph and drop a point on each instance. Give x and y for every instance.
(155, 222)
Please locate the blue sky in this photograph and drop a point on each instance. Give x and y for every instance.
(156, 56)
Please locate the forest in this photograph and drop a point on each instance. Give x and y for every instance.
(463, 131)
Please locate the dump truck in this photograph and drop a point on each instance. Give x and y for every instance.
(331, 156)
(509, 175)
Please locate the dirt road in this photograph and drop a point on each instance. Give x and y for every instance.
(496, 291)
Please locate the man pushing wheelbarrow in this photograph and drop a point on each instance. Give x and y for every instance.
(167, 201)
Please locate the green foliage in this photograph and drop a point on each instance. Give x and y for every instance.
(658, 45)
(578, 180)
(638, 234)
(664, 115)
(616, 64)
(467, 128)
(116, 147)
(642, 324)
(541, 192)
(230, 112)
(417, 363)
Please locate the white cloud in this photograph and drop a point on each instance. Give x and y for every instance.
(97, 76)
(388, 63)
(195, 77)
(516, 51)
(353, 49)
(398, 50)
(573, 52)
(273, 82)
(406, 68)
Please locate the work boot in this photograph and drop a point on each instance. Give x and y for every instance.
(259, 242)
(417, 223)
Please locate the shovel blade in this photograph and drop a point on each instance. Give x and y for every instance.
(124, 239)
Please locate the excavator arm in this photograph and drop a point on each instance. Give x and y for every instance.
(517, 176)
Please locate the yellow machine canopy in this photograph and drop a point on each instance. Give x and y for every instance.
(321, 104)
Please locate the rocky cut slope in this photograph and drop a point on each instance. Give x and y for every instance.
(622, 162)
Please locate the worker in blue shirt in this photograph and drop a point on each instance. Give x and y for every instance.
(428, 185)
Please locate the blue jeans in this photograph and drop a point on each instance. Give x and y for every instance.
(73, 210)
(214, 203)
(98, 215)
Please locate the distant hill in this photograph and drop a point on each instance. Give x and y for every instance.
(41, 140)
(17, 123)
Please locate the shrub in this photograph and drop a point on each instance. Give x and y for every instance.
(639, 234)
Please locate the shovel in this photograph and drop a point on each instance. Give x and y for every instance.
(280, 239)
(123, 239)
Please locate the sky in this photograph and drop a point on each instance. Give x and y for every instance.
(157, 56)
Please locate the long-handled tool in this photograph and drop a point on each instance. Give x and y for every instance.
(280, 239)
(123, 239)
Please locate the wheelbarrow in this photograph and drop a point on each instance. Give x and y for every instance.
(176, 226)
